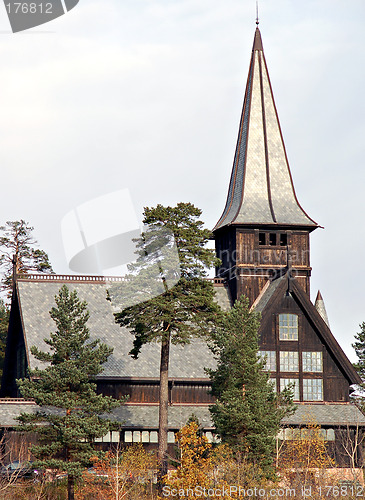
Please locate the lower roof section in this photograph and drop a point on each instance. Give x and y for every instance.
(324, 414)
(146, 416)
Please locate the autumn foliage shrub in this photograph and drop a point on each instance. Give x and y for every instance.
(121, 474)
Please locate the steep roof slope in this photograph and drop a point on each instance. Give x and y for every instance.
(36, 298)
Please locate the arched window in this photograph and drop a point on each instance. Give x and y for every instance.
(288, 326)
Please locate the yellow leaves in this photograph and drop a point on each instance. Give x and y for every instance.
(195, 461)
(118, 473)
(308, 449)
(304, 459)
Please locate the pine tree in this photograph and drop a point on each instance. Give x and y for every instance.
(184, 311)
(70, 411)
(17, 246)
(247, 412)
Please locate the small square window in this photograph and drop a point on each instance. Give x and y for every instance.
(289, 361)
(128, 436)
(171, 437)
(153, 437)
(270, 364)
(312, 361)
(115, 436)
(145, 437)
(209, 437)
(262, 239)
(330, 435)
(107, 438)
(136, 436)
(284, 382)
(288, 327)
(312, 389)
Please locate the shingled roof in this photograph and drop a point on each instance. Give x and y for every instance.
(36, 298)
(326, 414)
(261, 190)
(146, 416)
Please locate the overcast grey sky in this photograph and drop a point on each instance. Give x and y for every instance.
(147, 95)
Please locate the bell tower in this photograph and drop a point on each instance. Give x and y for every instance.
(263, 231)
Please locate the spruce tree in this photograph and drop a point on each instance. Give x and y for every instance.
(70, 413)
(181, 312)
(247, 411)
(359, 346)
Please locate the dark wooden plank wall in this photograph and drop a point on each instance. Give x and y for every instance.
(253, 264)
(145, 392)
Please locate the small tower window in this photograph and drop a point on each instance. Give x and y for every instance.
(283, 239)
(262, 239)
(272, 239)
(288, 326)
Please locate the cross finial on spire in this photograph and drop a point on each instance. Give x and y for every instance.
(257, 13)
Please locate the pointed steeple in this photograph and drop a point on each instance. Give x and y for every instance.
(319, 305)
(261, 190)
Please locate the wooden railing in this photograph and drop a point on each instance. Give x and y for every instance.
(69, 277)
(64, 278)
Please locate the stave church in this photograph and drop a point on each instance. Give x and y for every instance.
(262, 239)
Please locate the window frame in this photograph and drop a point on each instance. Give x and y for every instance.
(296, 382)
(287, 327)
(312, 361)
(306, 390)
(270, 365)
(294, 361)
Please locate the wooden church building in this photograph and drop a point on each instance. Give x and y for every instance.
(262, 239)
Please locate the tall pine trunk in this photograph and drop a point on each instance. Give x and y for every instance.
(163, 410)
(70, 487)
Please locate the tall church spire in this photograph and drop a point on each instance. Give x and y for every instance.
(261, 190)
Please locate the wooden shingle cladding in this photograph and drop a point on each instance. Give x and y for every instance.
(261, 189)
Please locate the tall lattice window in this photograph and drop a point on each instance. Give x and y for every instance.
(288, 326)
(312, 389)
(270, 364)
(312, 361)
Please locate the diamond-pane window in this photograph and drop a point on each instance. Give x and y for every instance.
(312, 361)
(288, 326)
(284, 382)
(289, 361)
(270, 364)
(312, 389)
